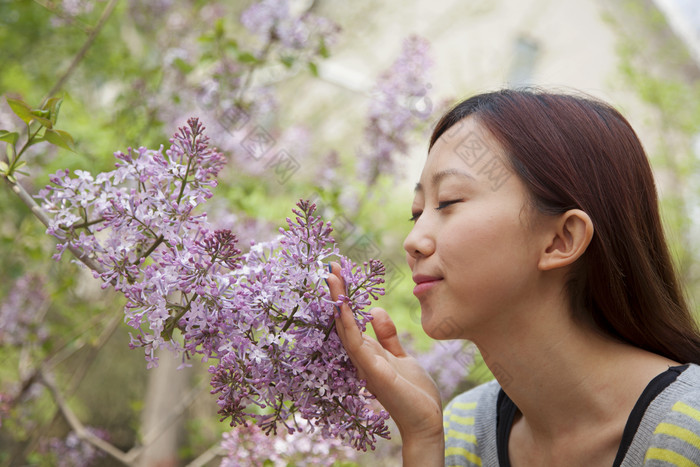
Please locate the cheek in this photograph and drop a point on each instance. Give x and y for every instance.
(485, 254)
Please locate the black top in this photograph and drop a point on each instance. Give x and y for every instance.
(506, 411)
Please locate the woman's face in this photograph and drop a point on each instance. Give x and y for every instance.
(475, 246)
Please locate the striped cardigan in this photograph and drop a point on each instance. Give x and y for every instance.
(668, 433)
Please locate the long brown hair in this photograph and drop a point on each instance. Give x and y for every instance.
(579, 153)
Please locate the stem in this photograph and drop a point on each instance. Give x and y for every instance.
(328, 331)
(247, 81)
(86, 224)
(290, 320)
(171, 323)
(184, 180)
(158, 241)
(24, 148)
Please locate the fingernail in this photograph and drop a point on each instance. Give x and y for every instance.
(324, 279)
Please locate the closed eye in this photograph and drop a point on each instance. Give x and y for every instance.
(444, 204)
(414, 216)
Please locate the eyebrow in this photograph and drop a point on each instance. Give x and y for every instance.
(439, 176)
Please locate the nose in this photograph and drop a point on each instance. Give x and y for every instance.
(420, 241)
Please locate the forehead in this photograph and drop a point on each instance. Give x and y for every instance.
(468, 148)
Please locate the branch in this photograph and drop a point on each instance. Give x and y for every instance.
(44, 218)
(208, 456)
(74, 344)
(86, 46)
(45, 367)
(75, 424)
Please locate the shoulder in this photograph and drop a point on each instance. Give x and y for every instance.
(470, 427)
(676, 435)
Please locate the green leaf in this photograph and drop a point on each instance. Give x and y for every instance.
(3, 167)
(11, 152)
(9, 137)
(323, 49)
(21, 109)
(20, 164)
(219, 28)
(182, 65)
(67, 138)
(287, 61)
(53, 105)
(232, 46)
(42, 116)
(247, 57)
(313, 68)
(60, 138)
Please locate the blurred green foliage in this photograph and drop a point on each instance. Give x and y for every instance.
(661, 72)
(119, 94)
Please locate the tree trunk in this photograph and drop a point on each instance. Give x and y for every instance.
(167, 386)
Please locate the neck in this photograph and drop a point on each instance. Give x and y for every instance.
(564, 376)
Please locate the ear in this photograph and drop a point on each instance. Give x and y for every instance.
(572, 234)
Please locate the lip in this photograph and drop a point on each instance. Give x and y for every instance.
(424, 283)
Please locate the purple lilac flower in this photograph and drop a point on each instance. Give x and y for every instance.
(247, 446)
(399, 106)
(273, 20)
(72, 451)
(280, 342)
(22, 310)
(448, 362)
(265, 318)
(142, 209)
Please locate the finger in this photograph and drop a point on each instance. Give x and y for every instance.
(335, 271)
(335, 291)
(347, 329)
(385, 330)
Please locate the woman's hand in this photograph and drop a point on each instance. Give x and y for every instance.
(397, 380)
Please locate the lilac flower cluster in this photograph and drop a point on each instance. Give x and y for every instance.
(247, 446)
(144, 209)
(72, 451)
(273, 20)
(400, 105)
(22, 310)
(266, 318)
(280, 345)
(231, 78)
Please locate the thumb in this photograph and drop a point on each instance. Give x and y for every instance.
(385, 330)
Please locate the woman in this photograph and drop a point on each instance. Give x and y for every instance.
(537, 236)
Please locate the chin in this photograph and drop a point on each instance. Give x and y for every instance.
(440, 328)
